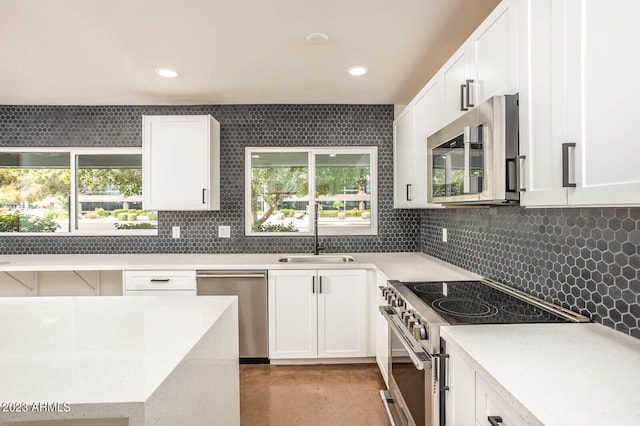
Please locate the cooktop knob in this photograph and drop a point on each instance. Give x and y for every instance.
(408, 319)
(419, 331)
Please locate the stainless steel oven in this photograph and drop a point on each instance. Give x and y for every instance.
(474, 159)
(408, 400)
(415, 311)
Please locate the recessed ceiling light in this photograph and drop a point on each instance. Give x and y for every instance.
(357, 70)
(317, 39)
(166, 72)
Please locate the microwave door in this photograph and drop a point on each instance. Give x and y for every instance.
(448, 168)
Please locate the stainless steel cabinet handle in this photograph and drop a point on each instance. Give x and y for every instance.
(565, 164)
(409, 192)
(160, 280)
(519, 174)
(494, 420)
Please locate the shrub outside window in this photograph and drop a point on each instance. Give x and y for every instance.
(280, 182)
(73, 191)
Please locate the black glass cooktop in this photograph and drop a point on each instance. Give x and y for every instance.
(474, 302)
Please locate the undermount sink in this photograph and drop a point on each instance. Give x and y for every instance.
(317, 259)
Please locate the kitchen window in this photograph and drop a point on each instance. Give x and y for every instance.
(283, 186)
(73, 191)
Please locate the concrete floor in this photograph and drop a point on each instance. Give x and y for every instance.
(311, 395)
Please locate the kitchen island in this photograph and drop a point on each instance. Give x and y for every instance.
(119, 361)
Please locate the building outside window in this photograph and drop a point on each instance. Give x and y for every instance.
(281, 182)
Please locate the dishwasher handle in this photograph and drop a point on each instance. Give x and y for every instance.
(261, 275)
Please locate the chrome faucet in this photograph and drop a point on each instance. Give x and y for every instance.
(317, 247)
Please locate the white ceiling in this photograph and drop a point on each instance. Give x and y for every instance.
(104, 52)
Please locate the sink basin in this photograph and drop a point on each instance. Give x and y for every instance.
(316, 259)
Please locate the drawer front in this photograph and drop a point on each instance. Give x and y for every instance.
(159, 280)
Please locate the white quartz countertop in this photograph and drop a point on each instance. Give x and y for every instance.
(565, 374)
(399, 266)
(97, 350)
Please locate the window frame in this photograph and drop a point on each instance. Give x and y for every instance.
(73, 190)
(311, 153)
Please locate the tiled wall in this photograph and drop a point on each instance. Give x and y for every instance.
(241, 125)
(587, 260)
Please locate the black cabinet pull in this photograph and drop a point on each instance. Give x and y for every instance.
(495, 420)
(313, 284)
(160, 280)
(203, 195)
(409, 192)
(462, 107)
(320, 284)
(565, 165)
(468, 103)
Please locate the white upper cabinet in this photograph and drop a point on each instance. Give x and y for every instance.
(456, 78)
(493, 53)
(422, 117)
(577, 130)
(181, 162)
(403, 166)
(485, 65)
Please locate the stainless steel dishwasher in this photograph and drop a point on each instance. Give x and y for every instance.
(251, 289)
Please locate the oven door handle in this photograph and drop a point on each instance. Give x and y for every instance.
(419, 359)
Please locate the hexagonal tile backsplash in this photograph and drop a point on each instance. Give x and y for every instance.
(587, 260)
(241, 126)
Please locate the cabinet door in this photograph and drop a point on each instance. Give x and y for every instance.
(382, 332)
(428, 116)
(543, 99)
(342, 313)
(455, 74)
(292, 314)
(176, 163)
(603, 63)
(403, 159)
(460, 398)
(494, 53)
(489, 403)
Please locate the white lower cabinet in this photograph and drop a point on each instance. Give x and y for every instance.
(317, 314)
(153, 283)
(460, 398)
(490, 406)
(471, 399)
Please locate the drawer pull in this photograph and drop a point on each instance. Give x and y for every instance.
(160, 280)
(495, 420)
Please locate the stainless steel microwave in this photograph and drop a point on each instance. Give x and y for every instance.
(474, 159)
